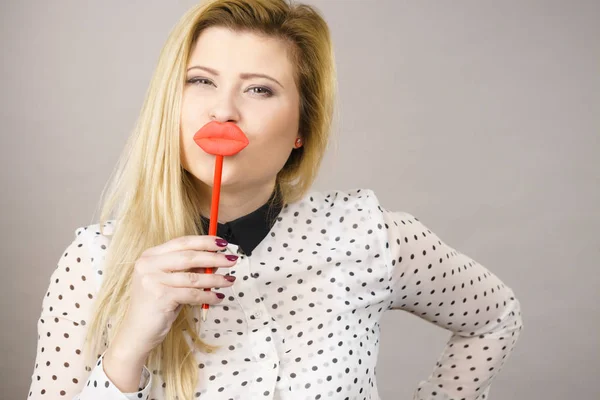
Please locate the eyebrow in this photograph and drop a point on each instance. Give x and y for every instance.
(243, 75)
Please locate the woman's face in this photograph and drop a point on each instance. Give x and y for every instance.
(223, 84)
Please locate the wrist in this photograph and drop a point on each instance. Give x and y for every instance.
(125, 354)
(124, 368)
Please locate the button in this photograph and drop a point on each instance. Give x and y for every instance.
(257, 314)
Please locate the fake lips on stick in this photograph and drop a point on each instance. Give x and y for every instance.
(219, 139)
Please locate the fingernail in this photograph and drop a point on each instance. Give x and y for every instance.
(231, 257)
(221, 242)
(230, 278)
(220, 295)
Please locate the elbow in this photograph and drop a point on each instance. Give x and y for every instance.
(510, 323)
(507, 324)
(517, 315)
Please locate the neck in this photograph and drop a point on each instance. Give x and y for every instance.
(236, 202)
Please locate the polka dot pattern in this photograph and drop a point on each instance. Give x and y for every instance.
(302, 321)
(437, 283)
(60, 371)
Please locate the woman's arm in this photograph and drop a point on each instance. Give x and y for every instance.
(435, 282)
(60, 371)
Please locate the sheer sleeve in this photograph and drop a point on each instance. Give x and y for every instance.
(437, 283)
(60, 370)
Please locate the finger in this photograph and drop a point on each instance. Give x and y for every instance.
(190, 242)
(194, 280)
(189, 259)
(194, 296)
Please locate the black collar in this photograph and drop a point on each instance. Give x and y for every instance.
(249, 230)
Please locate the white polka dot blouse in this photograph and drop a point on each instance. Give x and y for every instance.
(302, 320)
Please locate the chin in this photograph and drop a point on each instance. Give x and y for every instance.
(229, 177)
(233, 173)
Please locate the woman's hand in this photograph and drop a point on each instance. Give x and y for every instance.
(165, 277)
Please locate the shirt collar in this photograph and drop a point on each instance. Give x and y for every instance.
(249, 230)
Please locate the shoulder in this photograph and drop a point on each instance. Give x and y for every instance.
(360, 204)
(94, 240)
(358, 199)
(332, 199)
(348, 210)
(96, 236)
(78, 274)
(331, 207)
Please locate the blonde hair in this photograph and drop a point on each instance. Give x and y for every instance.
(152, 197)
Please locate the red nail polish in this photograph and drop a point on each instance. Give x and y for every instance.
(220, 295)
(221, 242)
(231, 257)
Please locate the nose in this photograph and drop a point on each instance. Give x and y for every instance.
(224, 109)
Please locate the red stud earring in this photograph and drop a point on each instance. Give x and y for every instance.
(298, 143)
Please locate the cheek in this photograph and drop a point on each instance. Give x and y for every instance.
(188, 149)
(279, 125)
(274, 139)
(191, 113)
(186, 118)
(272, 149)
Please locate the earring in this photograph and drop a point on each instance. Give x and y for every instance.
(298, 143)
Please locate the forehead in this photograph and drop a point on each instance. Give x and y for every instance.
(238, 51)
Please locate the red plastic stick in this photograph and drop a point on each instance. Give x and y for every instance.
(214, 214)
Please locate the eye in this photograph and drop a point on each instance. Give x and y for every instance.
(198, 81)
(261, 91)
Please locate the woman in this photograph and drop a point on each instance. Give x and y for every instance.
(304, 277)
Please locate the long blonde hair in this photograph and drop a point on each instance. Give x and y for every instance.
(152, 197)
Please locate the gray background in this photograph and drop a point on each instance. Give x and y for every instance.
(478, 117)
